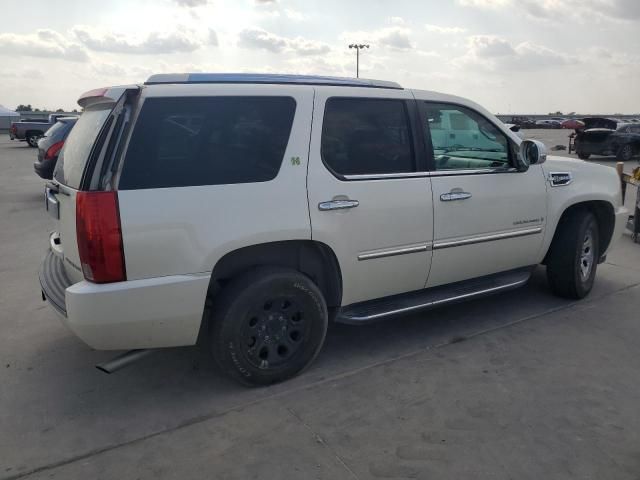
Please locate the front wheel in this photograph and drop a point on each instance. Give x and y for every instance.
(268, 325)
(573, 256)
(625, 153)
(583, 156)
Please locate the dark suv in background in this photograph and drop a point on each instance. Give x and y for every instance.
(606, 136)
(50, 144)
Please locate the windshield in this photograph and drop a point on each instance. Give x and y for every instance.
(77, 148)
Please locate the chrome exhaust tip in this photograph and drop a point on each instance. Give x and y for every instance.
(123, 360)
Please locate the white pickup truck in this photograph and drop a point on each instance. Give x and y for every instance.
(247, 211)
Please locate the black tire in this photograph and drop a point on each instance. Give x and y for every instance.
(583, 156)
(573, 257)
(625, 153)
(267, 326)
(32, 139)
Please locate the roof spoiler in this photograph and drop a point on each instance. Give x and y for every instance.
(104, 95)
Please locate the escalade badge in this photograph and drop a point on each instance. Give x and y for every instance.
(560, 179)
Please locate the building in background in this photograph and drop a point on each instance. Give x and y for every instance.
(6, 117)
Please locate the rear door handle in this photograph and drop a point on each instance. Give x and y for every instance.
(337, 205)
(451, 196)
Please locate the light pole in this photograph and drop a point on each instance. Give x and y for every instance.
(358, 47)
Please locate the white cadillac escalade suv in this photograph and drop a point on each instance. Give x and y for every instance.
(246, 211)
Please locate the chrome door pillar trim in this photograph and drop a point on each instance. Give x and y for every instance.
(434, 173)
(487, 238)
(381, 176)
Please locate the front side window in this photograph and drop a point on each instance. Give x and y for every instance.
(362, 136)
(463, 139)
(190, 141)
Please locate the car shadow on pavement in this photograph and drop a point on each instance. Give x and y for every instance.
(189, 373)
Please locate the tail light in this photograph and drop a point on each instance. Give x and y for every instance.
(53, 150)
(100, 237)
(14, 129)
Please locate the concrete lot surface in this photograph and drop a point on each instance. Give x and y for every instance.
(518, 386)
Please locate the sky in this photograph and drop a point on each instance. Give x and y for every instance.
(512, 56)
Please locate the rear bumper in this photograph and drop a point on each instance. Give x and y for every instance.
(44, 169)
(594, 148)
(54, 282)
(148, 313)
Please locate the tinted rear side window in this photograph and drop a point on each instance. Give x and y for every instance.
(189, 141)
(367, 136)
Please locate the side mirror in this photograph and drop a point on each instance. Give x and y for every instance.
(514, 128)
(532, 152)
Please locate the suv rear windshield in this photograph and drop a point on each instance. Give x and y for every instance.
(79, 144)
(58, 127)
(189, 141)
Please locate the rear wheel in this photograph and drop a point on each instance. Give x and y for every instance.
(267, 326)
(32, 139)
(573, 257)
(625, 153)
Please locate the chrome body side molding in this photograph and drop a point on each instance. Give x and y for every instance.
(394, 252)
(487, 238)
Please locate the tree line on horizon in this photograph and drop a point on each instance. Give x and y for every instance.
(29, 108)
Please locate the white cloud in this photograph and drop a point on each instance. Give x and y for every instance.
(491, 52)
(104, 69)
(625, 9)
(44, 43)
(483, 3)
(428, 53)
(395, 37)
(295, 15)
(24, 75)
(561, 10)
(180, 40)
(531, 56)
(257, 38)
(213, 38)
(444, 30)
(191, 3)
(489, 46)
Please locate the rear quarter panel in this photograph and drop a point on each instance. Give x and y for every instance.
(169, 231)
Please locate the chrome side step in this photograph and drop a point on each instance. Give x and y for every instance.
(364, 312)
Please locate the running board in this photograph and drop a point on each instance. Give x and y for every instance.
(372, 310)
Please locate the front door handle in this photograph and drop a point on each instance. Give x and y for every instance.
(337, 205)
(451, 196)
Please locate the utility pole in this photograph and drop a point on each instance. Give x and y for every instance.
(358, 47)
